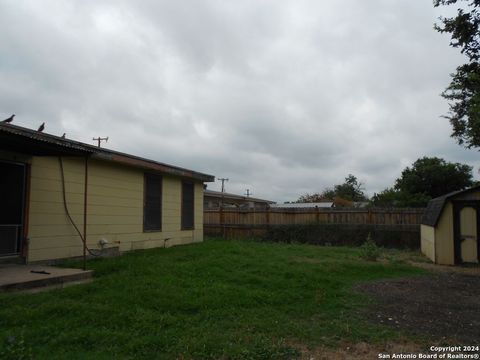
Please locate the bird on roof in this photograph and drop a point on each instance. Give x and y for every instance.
(41, 127)
(9, 120)
(64, 135)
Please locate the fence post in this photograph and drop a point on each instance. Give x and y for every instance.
(222, 221)
(317, 214)
(252, 229)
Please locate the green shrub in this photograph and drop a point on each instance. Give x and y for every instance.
(388, 236)
(369, 250)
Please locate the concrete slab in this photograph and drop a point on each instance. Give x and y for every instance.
(38, 277)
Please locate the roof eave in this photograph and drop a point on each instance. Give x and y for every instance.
(43, 144)
(153, 166)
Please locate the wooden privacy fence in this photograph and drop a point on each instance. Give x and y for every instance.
(240, 223)
(242, 218)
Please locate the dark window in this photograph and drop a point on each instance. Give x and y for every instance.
(152, 207)
(12, 207)
(187, 206)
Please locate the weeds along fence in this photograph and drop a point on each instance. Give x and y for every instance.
(399, 227)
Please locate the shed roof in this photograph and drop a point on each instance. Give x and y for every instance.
(435, 206)
(19, 139)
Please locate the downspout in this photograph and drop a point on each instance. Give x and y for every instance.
(85, 197)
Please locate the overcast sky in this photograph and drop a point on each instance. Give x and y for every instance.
(281, 97)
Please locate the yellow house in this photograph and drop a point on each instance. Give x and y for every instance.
(450, 228)
(61, 198)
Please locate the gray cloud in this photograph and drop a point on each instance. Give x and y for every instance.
(281, 97)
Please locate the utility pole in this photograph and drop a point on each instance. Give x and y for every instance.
(223, 189)
(100, 139)
(248, 193)
(223, 183)
(222, 216)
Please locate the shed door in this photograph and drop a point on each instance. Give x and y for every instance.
(12, 199)
(468, 235)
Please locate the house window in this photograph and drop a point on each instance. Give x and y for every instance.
(152, 204)
(187, 206)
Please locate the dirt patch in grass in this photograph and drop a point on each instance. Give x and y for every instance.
(360, 351)
(308, 260)
(473, 269)
(443, 306)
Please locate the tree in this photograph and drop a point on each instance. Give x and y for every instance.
(350, 190)
(394, 198)
(463, 93)
(313, 198)
(434, 177)
(427, 178)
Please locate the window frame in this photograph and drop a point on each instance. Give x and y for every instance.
(184, 226)
(159, 178)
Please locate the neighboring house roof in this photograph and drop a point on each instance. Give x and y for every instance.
(325, 204)
(360, 204)
(225, 195)
(435, 206)
(19, 139)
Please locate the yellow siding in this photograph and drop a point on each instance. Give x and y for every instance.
(428, 241)
(115, 209)
(469, 251)
(444, 251)
(197, 233)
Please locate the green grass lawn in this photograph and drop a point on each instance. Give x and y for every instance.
(217, 299)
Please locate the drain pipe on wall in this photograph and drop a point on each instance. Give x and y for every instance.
(83, 236)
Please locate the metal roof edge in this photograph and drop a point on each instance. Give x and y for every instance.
(105, 154)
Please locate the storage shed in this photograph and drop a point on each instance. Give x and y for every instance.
(450, 228)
